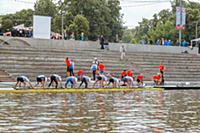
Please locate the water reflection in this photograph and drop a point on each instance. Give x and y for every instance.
(121, 112)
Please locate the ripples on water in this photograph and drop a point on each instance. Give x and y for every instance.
(130, 112)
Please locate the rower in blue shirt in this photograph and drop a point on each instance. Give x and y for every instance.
(72, 79)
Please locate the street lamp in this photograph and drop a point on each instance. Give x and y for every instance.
(196, 27)
(197, 22)
(62, 23)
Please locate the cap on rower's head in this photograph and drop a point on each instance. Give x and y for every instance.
(95, 58)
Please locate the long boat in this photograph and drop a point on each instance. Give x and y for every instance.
(65, 90)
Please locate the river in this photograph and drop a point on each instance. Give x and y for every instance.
(112, 112)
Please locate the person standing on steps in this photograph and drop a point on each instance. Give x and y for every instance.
(71, 68)
(94, 68)
(102, 41)
(101, 68)
(162, 69)
(67, 61)
(123, 52)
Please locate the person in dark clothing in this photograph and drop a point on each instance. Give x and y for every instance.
(94, 68)
(56, 79)
(102, 41)
(85, 79)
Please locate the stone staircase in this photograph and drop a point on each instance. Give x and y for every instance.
(31, 62)
(5, 77)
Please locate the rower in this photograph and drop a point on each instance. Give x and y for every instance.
(113, 80)
(55, 78)
(101, 79)
(157, 79)
(24, 80)
(85, 79)
(128, 81)
(71, 79)
(139, 80)
(41, 79)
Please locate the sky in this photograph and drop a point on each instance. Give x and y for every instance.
(133, 10)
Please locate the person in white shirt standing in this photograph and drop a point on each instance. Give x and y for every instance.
(123, 52)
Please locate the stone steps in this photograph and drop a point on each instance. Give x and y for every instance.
(5, 77)
(32, 61)
(77, 51)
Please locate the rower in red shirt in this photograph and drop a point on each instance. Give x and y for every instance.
(162, 69)
(139, 79)
(157, 79)
(130, 74)
(123, 74)
(101, 68)
(80, 74)
(67, 61)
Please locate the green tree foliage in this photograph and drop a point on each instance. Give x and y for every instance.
(163, 25)
(45, 8)
(103, 16)
(80, 24)
(127, 36)
(7, 24)
(94, 17)
(22, 17)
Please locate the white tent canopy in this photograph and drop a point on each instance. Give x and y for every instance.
(22, 27)
(195, 40)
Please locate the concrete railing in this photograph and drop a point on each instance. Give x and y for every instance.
(72, 44)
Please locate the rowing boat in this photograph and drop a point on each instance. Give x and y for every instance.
(39, 90)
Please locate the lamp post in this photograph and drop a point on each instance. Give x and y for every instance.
(180, 31)
(62, 23)
(196, 27)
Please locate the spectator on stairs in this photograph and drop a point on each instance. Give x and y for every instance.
(101, 39)
(67, 61)
(71, 68)
(94, 68)
(123, 52)
(101, 68)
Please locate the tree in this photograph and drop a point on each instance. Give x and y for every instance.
(45, 8)
(103, 15)
(80, 24)
(7, 25)
(163, 24)
(127, 36)
(22, 17)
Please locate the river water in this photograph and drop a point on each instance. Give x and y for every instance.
(113, 112)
